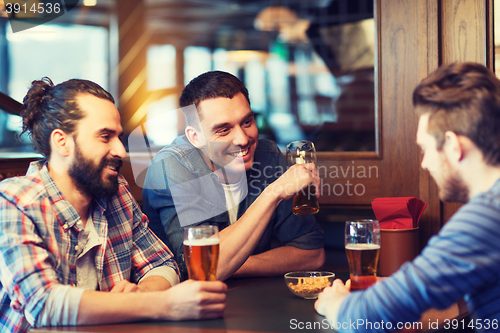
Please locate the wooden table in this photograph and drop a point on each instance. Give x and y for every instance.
(253, 305)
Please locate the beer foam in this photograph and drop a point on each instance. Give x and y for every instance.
(362, 246)
(201, 242)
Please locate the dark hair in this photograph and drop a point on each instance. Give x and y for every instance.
(463, 98)
(47, 107)
(206, 86)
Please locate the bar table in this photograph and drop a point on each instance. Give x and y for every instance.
(253, 305)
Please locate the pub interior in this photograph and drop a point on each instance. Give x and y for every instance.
(337, 72)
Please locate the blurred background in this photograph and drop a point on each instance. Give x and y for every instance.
(308, 65)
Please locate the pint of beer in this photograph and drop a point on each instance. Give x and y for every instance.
(362, 246)
(201, 252)
(305, 201)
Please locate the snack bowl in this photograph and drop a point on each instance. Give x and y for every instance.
(308, 284)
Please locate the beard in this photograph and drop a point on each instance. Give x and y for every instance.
(453, 188)
(88, 177)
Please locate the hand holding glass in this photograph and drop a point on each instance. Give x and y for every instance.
(300, 152)
(201, 252)
(362, 246)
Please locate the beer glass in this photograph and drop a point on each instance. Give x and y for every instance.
(362, 246)
(305, 201)
(201, 251)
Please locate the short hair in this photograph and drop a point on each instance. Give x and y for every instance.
(47, 107)
(206, 86)
(463, 98)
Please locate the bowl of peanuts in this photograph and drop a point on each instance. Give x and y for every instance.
(308, 284)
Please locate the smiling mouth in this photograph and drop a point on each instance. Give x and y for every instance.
(114, 166)
(240, 153)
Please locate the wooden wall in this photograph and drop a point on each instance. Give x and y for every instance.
(467, 35)
(416, 36)
(409, 51)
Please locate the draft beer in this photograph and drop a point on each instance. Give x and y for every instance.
(363, 260)
(201, 252)
(305, 201)
(362, 245)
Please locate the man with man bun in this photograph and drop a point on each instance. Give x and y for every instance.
(75, 247)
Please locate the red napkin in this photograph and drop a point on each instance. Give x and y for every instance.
(398, 212)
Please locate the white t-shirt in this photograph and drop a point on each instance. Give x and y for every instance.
(235, 193)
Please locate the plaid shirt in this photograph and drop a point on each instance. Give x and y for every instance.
(38, 235)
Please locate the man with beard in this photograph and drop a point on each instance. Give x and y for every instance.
(220, 173)
(458, 133)
(74, 246)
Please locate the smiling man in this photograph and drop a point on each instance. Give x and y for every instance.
(220, 173)
(458, 133)
(75, 249)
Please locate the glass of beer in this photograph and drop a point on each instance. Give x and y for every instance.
(305, 201)
(201, 251)
(362, 246)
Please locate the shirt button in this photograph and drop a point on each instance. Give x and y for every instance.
(65, 226)
(76, 248)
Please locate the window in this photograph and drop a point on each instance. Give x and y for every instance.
(61, 52)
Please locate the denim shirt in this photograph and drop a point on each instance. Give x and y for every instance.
(181, 189)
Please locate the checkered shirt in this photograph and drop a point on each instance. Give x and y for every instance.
(38, 235)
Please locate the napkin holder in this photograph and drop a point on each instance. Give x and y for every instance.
(398, 218)
(396, 247)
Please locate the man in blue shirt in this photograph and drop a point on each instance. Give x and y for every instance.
(458, 133)
(220, 173)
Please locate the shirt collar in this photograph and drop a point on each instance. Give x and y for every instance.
(190, 155)
(65, 212)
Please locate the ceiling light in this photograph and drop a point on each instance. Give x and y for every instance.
(284, 20)
(271, 18)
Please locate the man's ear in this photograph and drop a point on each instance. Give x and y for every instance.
(195, 136)
(60, 142)
(453, 146)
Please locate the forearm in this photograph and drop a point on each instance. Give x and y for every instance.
(330, 301)
(98, 307)
(281, 260)
(185, 301)
(238, 240)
